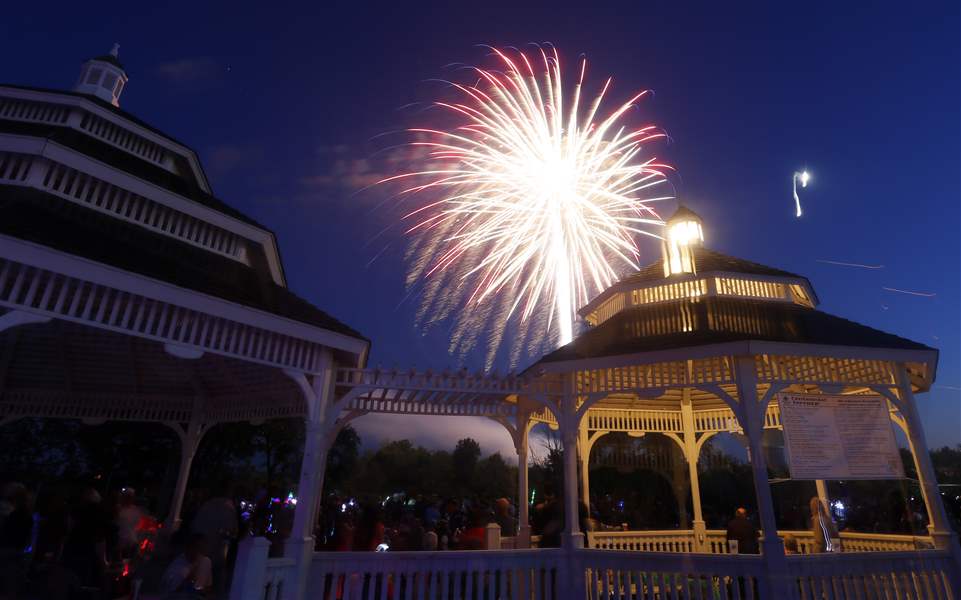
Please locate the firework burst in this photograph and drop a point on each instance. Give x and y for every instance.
(531, 204)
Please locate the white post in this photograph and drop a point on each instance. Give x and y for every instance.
(939, 526)
(250, 570)
(523, 493)
(319, 396)
(584, 453)
(189, 442)
(492, 536)
(751, 414)
(573, 538)
(698, 527)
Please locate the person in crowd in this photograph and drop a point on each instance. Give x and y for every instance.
(822, 527)
(190, 575)
(127, 521)
(85, 547)
(504, 518)
(15, 533)
(217, 521)
(473, 537)
(790, 544)
(741, 530)
(369, 533)
(430, 540)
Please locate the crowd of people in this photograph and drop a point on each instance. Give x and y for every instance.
(402, 523)
(62, 546)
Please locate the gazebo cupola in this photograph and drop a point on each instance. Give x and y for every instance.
(690, 274)
(103, 77)
(683, 233)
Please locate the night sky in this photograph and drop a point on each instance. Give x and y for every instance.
(285, 105)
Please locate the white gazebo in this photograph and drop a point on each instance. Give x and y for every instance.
(129, 292)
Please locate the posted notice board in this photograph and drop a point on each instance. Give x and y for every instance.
(839, 437)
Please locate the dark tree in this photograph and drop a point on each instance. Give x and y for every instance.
(464, 459)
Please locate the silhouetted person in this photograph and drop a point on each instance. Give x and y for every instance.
(823, 527)
(15, 535)
(743, 532)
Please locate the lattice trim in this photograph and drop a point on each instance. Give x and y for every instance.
(658, 375)
(818, 369)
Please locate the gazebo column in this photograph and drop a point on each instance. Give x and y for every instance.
(938, 525)
(775, 583)
(189, 442)
(573, 537)
(318, 437)
(584, 454)
(691, 451)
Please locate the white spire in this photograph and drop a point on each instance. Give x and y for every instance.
(103, 77)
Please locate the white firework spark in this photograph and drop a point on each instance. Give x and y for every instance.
(536, 207)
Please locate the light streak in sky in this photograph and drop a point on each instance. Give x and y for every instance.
(803, 177)
(535, 207)
(849, 264)
(909, 292)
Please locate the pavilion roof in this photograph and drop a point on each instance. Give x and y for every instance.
(45, 219)
(713, 320)
(126, 162)
(100, 103)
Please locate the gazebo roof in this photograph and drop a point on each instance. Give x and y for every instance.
(708, 261)
(126, 162)
(74, 229)
(713, 320)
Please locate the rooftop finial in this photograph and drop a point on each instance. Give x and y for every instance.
(115, 51)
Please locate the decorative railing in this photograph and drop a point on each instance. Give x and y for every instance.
(509, 574)
(279, 573)
(642, 541)
(715, 541)
(591, 574)
(649, 576)
(924, 575)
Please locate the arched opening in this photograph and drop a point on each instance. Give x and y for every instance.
(726, 482)
(419, 482)
(639, 482)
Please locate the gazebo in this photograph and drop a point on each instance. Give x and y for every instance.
(130, 292)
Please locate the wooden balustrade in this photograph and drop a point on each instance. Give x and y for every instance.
(599, 574)
(715, 541)
(924, 575)
(507, 575)
(648, 576)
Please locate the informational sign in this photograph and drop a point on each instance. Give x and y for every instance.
(839, 437)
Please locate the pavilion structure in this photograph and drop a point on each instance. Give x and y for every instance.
(129, 292)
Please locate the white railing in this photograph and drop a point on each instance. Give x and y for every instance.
(925, 575)
(591, 574)
(509, 574)
(715, 541)
(660, 576)
(257, 577)
(642, 541)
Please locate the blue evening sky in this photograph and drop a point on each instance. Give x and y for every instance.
(284, 102)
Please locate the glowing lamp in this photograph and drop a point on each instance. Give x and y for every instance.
(683, 233)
